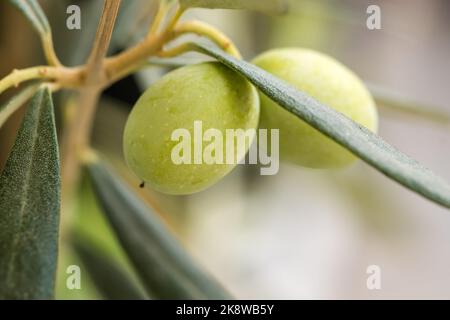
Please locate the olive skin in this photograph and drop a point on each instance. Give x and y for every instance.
(329, 82)
(206, 92)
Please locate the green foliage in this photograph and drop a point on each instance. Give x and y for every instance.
(29, 206)
(165, 268)
(359, 140)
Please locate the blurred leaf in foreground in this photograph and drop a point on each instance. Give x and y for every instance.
(360, 141)
(166, 270)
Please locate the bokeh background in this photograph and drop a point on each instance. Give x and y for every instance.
(302, 234)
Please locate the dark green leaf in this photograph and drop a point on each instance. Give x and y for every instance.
(33, 12)
(268, 6)
(16, 102)
(362, 142)
(167, 271)
(29, 206)
(109, 278)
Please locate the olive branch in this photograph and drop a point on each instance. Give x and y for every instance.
(100, 71)
(30, 182)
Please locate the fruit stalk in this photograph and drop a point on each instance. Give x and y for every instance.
(49, 50)
(160, 15)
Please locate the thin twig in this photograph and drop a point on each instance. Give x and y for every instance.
(119, 66)
(77, 133)
(49, 50)
(178, 50)
(210, 32)
(68, 77)
(160, 15)
(176, 17)
(104, 34)
(122, 64)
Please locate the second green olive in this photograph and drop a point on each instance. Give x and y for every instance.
(329, 82)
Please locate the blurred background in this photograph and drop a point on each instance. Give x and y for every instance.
(301, 234)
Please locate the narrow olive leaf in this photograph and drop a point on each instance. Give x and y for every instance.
(7, 109)
(166, 270)
(33, 12)
(267, 6)
(29, 206)
(109, 278)
(360, 141)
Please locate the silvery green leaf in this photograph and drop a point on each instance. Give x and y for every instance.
(360, 141)
(29, 206)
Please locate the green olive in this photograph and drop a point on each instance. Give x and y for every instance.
(329, 82)
(207, 93)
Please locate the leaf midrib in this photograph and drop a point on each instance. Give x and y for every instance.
(26, 185)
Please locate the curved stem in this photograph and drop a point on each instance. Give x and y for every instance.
(68, 77)
(178, 50)
(118, 66)
(210, 32)
(123, 64)
(176, 17)
(115, 68)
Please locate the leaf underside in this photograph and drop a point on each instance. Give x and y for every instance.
(29, 206)
(363, 143)
(166, 270)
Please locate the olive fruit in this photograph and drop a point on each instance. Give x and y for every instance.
(329, 82)
(207, 93)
